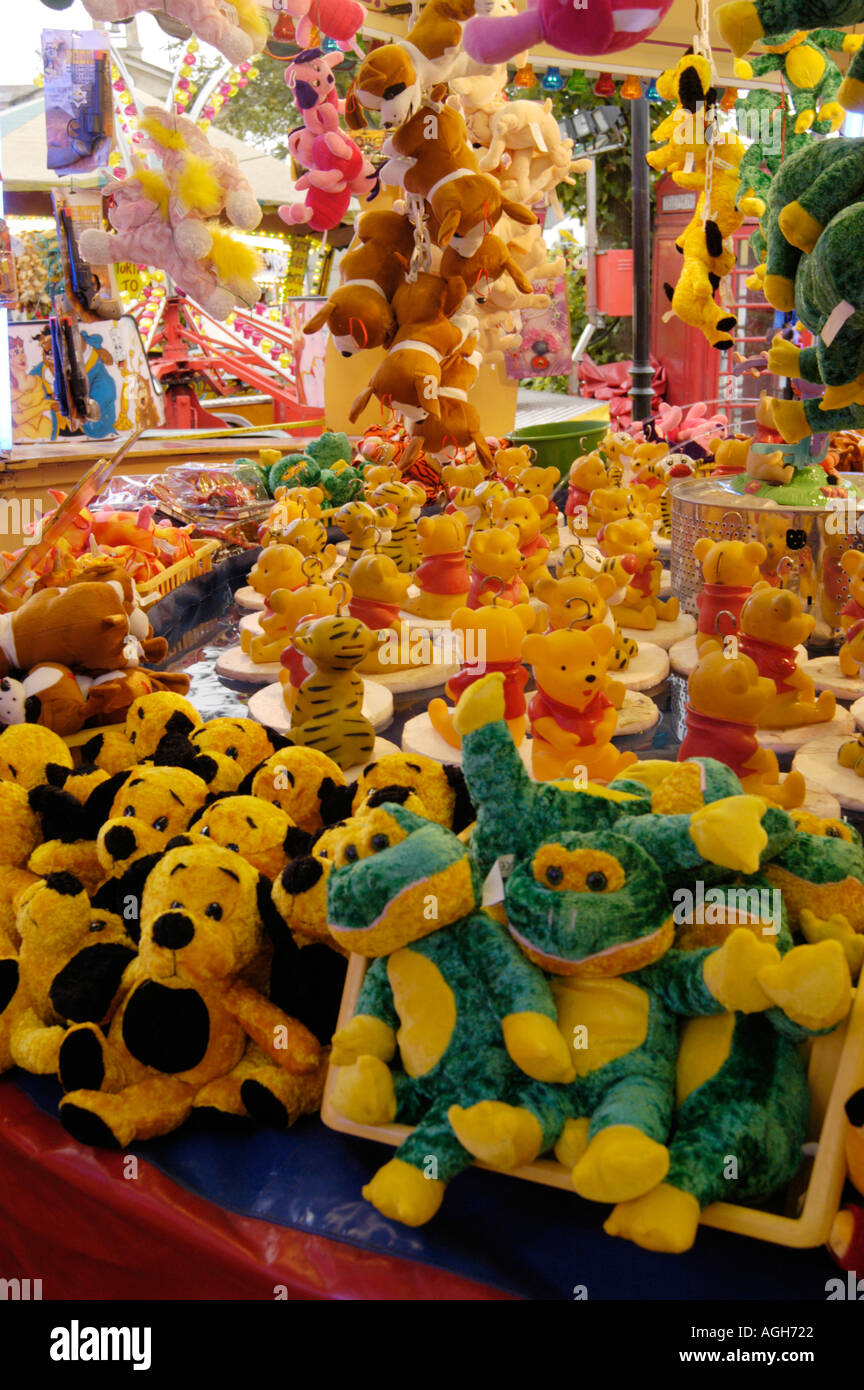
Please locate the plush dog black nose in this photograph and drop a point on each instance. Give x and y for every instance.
(173, 930)
(301, 874)
(120, 842)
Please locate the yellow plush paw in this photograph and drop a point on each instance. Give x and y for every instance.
(730, 832)
(810, 984)
(572, 1141)
(839, 397)
(790, 420)
(363, 1092)
(835, 928)
(852, 42)
(733, 972)
(804, 120)
(832, 111)
(779, 291)
(401, 1192)
(537, 1047)
(665, 1220)
(751, 206)
(851, 94)
(798, 227)
(619, 1164)
(680, 793)
(739, 25)
(363, 1036)
(482, 703)
(743, 69)
(783, 357)
(504, 1136)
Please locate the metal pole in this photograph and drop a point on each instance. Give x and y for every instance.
(642, 372)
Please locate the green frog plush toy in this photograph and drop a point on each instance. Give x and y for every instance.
(594, 911)
(473, 1020)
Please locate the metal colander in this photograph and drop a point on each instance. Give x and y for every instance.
(804, 544)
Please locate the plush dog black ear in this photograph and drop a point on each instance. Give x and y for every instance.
(463, 807)
(396, 794)
(61, 815)
(245, 787)
(179, 842)
(122, 894)
(335, 802)
(274, 926)
(278, 740)
(297, 841)
(97, 807)
(56, 776)
(92, 748)
(174, 749)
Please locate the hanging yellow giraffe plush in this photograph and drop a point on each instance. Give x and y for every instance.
(698, 155)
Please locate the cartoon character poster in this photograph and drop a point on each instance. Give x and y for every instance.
(546, 346)
(122, 393)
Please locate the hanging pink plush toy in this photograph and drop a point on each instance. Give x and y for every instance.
(336, 19)
(239, 30)
(598, 26)
(336, 167)
(310, 77)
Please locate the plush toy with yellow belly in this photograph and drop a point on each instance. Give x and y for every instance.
(593, 910)
(472, 1019)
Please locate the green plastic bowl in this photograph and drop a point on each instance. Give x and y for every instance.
(558, 444)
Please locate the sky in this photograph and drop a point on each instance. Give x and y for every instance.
(20, 59)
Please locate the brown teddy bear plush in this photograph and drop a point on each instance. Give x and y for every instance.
(457, 424)
(86, 627)
(188, 1032)
(491, 260)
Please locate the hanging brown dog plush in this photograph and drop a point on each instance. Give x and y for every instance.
(407, 380)
(359, 313)
(431, 155)
(458, 423)
(489, 262)
(393, 78)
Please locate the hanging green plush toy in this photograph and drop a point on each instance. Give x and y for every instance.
(811, 78)
(763, 116)
(813, 228)
(744, 25)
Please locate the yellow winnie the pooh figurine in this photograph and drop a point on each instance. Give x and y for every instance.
(572, 716)
(772, 624)
(493, 642)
